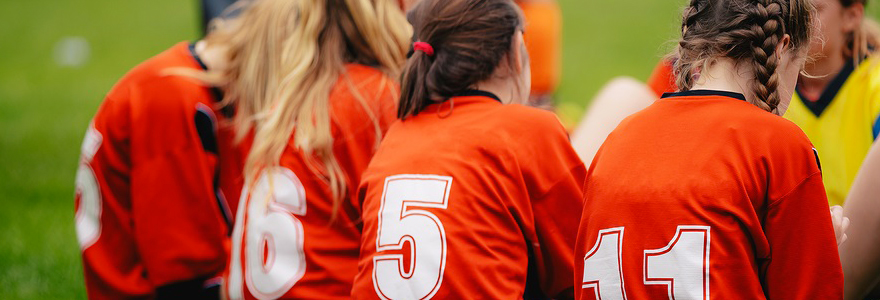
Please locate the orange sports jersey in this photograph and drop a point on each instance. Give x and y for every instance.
(704, 195)
(151, 213)
(470, 199)
(662, 79)
(543, 39)
(288, 247)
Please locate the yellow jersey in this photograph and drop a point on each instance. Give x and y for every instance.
(842, 124)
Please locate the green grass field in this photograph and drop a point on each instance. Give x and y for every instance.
(45, 108)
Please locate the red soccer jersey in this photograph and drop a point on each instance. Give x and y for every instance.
(662, 79)
(151, 208)
(470, 199)
(703, 194)
(288, 247)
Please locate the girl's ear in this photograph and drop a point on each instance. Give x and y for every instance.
(517, 51)
(852, 16)
(783, 45)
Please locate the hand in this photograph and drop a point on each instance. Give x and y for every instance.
(841, 223)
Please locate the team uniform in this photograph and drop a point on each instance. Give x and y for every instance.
(470, 199)
(151, 210)
(842, 123)
(543, 39)
(285, 245)
(703, 194)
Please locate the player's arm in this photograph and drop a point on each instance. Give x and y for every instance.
(556, 201)
(178, 214)
(557, 216)
(803, 262)
(860, 254)
(102, 189)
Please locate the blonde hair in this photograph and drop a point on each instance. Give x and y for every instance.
(285, 56)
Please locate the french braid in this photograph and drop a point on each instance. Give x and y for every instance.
(746, 31)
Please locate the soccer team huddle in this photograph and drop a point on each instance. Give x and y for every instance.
(382, 149)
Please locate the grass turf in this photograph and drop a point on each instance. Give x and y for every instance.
(45, 108)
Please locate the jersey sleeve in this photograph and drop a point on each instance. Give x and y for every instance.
(556, 200)
(110, 262)
(803, 261)
(556, 234)
(179, 226)
(662, 79)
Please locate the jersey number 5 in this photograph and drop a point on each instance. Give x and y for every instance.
(683, 265)
(401, 223)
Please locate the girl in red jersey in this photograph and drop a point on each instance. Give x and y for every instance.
(469, 196)
(709, 192)
(152, 218)
(835, 102)
(148, 217)
(310, 84)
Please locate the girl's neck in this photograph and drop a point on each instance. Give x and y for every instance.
(822, 70)
(505, 88)
(722, 75)
(213, 56)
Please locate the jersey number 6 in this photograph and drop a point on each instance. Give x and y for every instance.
(273, 249)
(683, 265)
(401, 223)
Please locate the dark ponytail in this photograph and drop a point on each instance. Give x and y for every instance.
(469, 38)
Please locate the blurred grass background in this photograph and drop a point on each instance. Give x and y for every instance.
(44, 110)
(45, 107)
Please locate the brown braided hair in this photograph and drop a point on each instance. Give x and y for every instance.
(746, 31)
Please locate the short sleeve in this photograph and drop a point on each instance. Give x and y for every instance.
(555, 179)
(798, 228)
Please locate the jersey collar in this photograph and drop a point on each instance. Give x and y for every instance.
(819, 106)
(478, 93)
(227, 111)
(705, 93)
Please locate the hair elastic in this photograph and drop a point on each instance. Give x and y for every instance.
(424, 47)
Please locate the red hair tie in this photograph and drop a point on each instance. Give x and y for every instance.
(424, 47)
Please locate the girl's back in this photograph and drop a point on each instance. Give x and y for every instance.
(709, 192)
(313, 95)
(290, 247)
(468, 197)
(479, 202)
(705, 194)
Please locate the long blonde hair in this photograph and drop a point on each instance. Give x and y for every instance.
(285, 56)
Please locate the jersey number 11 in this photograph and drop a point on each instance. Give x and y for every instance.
(683, 265)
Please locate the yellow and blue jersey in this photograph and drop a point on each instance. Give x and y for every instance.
(842, 124)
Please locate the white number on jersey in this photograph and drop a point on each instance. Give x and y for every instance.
(273, 249)
(602, 264)
(683, 265)
(401, 222)
(88, 192)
